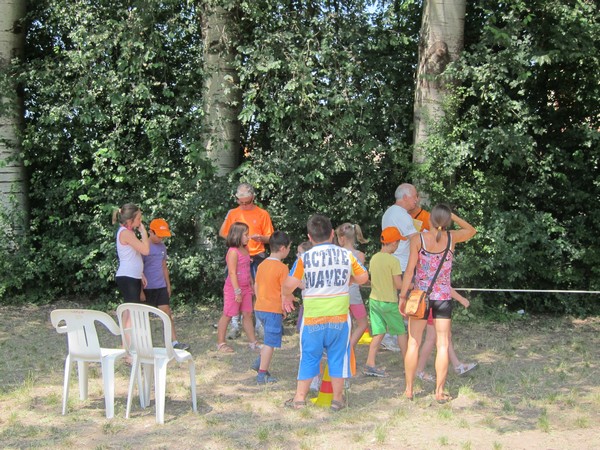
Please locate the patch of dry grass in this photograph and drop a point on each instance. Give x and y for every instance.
(536, 386)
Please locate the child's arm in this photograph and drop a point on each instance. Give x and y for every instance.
(460, 299)
(128, 237)
(232, 262)
(167, 278)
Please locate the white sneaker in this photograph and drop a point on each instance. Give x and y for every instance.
(390, 343)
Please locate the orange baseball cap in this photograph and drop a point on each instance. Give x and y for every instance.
(391, 234)
(160, 227)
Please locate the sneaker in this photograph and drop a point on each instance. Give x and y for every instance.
(180, 346)
(371, 371)
(390, 343)
(265, 377)
(464, 368)
(233, 332)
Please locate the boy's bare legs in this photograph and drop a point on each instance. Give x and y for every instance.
(266, 354)
(361, 326)
(374, 349)
(442, 328)
(248, 325)
(302, 389)
(415, 334)
(337, 385)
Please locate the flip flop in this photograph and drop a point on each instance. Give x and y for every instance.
(295, 404)
(424, 376)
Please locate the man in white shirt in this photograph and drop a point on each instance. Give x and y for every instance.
(397, 216)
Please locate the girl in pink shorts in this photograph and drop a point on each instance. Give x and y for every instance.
(238, 288)
(347, 234)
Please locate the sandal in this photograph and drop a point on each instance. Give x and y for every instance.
(424, 376)
(224, 348)
(295, 404)
(336, 406)
(461, 369)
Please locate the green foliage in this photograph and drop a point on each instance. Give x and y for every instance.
(519, 151)
(327, 108)
(113, 115)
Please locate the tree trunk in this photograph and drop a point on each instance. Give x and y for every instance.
(13, 180)
(222, 94)
(441, 41)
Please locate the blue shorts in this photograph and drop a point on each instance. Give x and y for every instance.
(273, 326)
(334, 338)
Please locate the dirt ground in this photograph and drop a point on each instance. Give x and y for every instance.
(536, 387)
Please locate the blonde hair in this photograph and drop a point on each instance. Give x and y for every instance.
(440, 219)
(350, 231)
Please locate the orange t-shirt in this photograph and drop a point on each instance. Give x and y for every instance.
(421, 220)
(269, 278)
(258, 221)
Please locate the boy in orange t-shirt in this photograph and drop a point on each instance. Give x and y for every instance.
(271, 306)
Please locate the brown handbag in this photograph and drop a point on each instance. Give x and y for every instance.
(417, 302)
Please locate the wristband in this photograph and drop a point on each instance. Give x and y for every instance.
(237, 291)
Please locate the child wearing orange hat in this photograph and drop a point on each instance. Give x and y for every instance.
(157, 291)
(386, 279)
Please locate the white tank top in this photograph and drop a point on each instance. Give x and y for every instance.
(130, 260)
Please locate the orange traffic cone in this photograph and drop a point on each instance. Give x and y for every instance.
(365, 339)
(325, 391)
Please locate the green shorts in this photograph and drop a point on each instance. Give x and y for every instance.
(385, 317)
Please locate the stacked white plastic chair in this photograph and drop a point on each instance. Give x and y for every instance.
(84, 348)
(134, 320)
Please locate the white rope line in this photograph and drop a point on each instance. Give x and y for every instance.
(553, 291)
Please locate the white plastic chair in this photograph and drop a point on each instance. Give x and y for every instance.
(84, 347)
(134, 320)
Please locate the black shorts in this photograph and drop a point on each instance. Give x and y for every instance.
(130, 288)
(156, 297)
(440, 309)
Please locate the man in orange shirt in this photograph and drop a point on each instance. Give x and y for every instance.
(260, 229)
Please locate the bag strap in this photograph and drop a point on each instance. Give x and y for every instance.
(430, 288)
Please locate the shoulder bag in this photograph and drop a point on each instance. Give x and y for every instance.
(418, 301)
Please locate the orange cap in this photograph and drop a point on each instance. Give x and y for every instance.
(391, 234)
(160, 228)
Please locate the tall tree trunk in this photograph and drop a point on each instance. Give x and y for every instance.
(13, 180)
(222, 95)
(441, 41)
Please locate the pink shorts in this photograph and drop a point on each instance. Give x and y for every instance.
(231, 307)
(358, 311)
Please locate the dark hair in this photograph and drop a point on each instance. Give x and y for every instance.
(319, 228)
(125, 213)
(440, 219)
(278, 240)
(236, 232)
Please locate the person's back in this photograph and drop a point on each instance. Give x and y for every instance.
(327, 271)
(382, 269)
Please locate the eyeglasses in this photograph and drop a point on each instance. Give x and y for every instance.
(247, 202)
